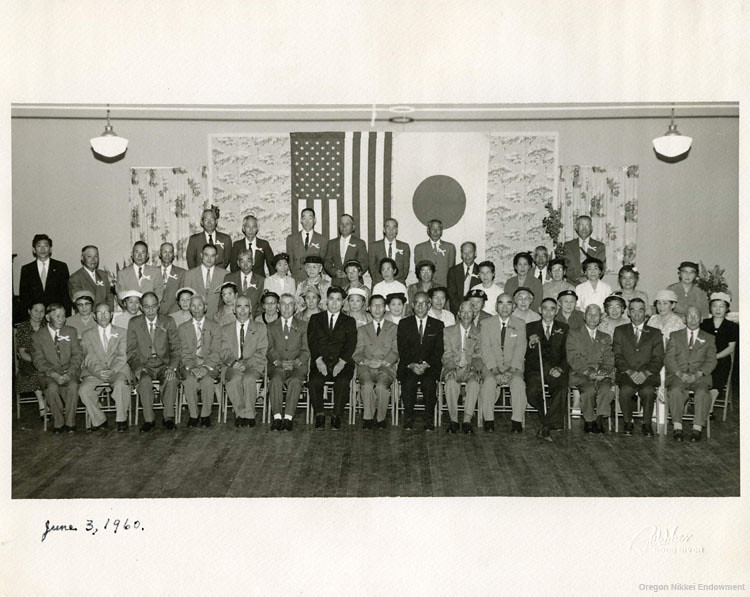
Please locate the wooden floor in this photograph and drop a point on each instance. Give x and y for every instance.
(226, 462)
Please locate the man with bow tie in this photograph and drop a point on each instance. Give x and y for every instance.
(343, 248)
(44, 280)
(90, 278)
(209, 236)
(206, 278)
(248, 283)
(196, 338)
(463, 276)
(639, 356)
(303, 244)
(105, 362)
(170, 275)
(689, 362)
(57, 356)
(260, 251)
(154, 354)
(440, 252)
(139, 276)
(392, 248)
(288, 362)
(578, 250)
(241, 348)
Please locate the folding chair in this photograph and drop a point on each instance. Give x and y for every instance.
(80, 409)
(26, 398)
(356, 404)
(442, 404)
(502, 403)
(158, 404)
(419, 406)
(216, 397)
(576, 413)
(637, 413)
(107, 403)
(690, 416)
(261, 401)
(723, 398)
(303, 402)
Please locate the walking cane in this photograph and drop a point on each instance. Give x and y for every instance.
(541, 376)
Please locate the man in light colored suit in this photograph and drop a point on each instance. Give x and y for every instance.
(592, 369)
(302, 244)
(241, 347)
(376, 355)
(260, 251)
(389, 246)
(440, 252)
(343, 248)
(248, 283)
(576, 251)
(91, 278)
(105, 362)
(207, 279)
(288, 362)
(197, 337)
(57, 356)
(689, 361)
(462, 363)
(463, 276)
(209, 236)
(139, 276)
(503, 348)
(153, 354)
(170, 275)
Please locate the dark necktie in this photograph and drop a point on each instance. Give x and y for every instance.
(285, 325)
(244, 283)
(140, 272)
(164, 275)
(377, 329)
(57, 343)
(539, 277)
(390, 250)
(151, 329)
(421, 330)
(502, 336)
(692, 341)
(637, 335)
(307, 241)
(546, 331)
(330, 324)
(242, 337)
(211, 239)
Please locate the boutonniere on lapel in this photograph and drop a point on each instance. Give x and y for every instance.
(251, 285)
(174, 277)
(439, 249)
(146, 277)
(64, 338)
(316, 245)
(114, 335)
(99, 283)
(699, 339)
(352, 246)
(513, 334)
(603, 340)
(218, 242)
(399, 251)
(557, 331)
(158, 327)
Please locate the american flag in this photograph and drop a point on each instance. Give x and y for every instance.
(337, 173)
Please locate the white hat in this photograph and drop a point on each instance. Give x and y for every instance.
(358, 291)
(666, 295)
(184, 289)
(721, 296)
(128, 293)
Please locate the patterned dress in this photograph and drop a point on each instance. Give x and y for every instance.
(28, 378)
(667, 325)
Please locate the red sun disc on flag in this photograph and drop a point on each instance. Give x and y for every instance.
(439, 197)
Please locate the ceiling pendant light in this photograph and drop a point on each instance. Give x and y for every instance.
(109, 145)
(672, 144)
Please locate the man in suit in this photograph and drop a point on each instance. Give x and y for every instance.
(302, 244)
(463, 276)
(592, 369)
(92, 279)
(209, 236)
(639, 356)
(57, 356)
(462, 363)
(440, 252)
(420, 354)
(541, 259)
(170, 276)
(105, 361)
(551, 336)
(139, 276)
(45, 279)
(503, 349)
(196, 337)
(689, 361)
(343, 248)
(248, 283)
(332, 339)
(376, 355)
(241, 348)
(154, 354)
(392, 248)
(260, 251)
(207, 279)
(576, 251)
(288, 362)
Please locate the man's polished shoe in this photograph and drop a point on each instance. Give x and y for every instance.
(367, 423)
(147, 426)
(467, 428)
(429, 426)
(193, 421)
(238, 421)
(628, 429)
(59, 429)
(543, 433)
(695, 436)
(250, 422)
(452, 428)
(381, 424)
(677, 435)
(70, 429)
(169, 424)
(600, 426)
(409, 424)
(122, 426)
(336, 422)
(647, 431)
(320, 421)
(286, 425)
(516, 427)
(588, 427)
(205, 421)
(489, 426)
(276, 425)
(101, 427)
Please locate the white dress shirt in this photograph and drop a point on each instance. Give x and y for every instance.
(587, 295)
(343, 244)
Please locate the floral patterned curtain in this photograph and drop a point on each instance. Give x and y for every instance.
(610, 196)
(166, 206)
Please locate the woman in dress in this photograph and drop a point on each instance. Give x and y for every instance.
(627, 278)
(225, 313)
(438, 299)
(131, 299)
(665, 319)
(593, 291)
(389, 284)
(183, 296)
(557, 283)
(522, 264)
(353, 271)
(83, 319)
(281, 282)
(726, 334)
(311, 297)
(614, 314)
(425, 270)
(486, 273)
(396, 303)
(27, 378)
(523, 298)
(355, 299)
(270, 303)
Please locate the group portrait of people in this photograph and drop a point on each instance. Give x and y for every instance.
(242, 317)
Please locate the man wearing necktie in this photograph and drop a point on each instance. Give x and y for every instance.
(248, 283)
(551, 335)
(343, 248)
(639, 356)
(207, 279)
(196, 338)
(541, 259)
(576, 251)
(140, 276)
(170, 275)
(332, 339)
(376, 355)
(241, 348)
(57, 356)
(209, 236)
(438, 251)
(302, 244)
(689, 361)
(463, 276)
(260, 251)
(89, 277)
(392, 248)
(154, 354)
(44, 280)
